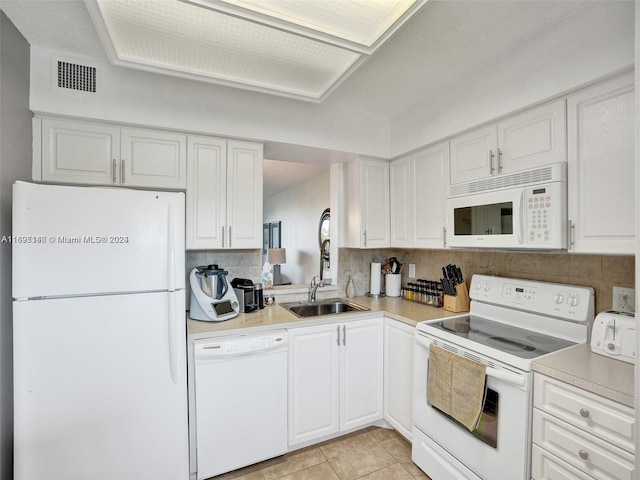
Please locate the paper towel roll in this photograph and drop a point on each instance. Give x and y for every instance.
(374, 288)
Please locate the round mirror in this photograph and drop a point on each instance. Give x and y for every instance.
(323, 228)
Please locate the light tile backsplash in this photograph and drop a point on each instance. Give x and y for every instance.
(602, 272)
(239, 263)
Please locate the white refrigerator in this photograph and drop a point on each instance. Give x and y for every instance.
(100, 388)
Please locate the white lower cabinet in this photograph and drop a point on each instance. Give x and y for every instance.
(398, 375)
(335, 378)
(580, 435)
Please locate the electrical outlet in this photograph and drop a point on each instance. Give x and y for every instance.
(624, 299)
(412, 270)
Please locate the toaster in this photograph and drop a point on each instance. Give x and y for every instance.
(614, 335)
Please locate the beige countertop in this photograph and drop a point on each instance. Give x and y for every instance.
(274, 317)
(580, 367)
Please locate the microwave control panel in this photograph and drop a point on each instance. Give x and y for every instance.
(543, 205)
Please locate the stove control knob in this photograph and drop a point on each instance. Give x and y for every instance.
(559, 298)
(478, 285)
(486, 286)
(573, 301)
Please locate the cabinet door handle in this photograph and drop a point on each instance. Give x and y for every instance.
(344, 335)
(572, 234)
(364, 234)
(338, 337)
(444, 236)
(113, 170)
(491, 157)
(499, 160)
(584, 413)
(229, 236)
(222, 237)
(122, 172)
(583, 454)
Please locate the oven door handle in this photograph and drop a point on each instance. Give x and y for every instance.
(512, 378)
(505, 376)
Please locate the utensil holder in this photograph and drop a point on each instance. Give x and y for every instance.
(459, 303)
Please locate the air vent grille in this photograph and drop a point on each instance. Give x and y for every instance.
(463, 353)
(529, 177)
(76, 77)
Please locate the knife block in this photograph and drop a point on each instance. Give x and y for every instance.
(459, 303)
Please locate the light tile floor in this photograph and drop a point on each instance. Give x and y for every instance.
(370, 454)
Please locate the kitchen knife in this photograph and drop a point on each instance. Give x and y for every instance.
(459, 278)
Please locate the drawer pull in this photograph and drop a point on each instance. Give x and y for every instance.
(583, 454)
(584, 413)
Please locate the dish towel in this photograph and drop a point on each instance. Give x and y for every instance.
(456, 386)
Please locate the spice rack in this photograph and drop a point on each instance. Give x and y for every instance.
(426, 292)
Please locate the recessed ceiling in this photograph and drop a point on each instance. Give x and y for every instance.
(301, 49)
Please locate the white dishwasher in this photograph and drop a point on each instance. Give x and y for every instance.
(240, 401)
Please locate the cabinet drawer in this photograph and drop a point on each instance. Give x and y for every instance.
(545, 466)
(597, 415)
(585, 452)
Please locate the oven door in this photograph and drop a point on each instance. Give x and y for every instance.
(498, 448)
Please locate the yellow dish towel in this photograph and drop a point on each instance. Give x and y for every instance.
(456, 386)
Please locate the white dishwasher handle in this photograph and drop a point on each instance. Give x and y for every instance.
(211, 350)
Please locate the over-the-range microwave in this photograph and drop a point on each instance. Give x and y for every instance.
(522, 210)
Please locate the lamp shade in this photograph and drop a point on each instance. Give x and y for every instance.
(277, 256)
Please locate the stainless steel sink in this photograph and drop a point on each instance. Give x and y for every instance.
(323, 307)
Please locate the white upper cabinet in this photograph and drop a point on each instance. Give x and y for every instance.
(473, 154)
(224, 194)
(244, 194)
(417, 198)
(401, 202)
(529, 139)
(601, 168)
(533, 138)
(88, 153)
(153, 159)
(366, 193)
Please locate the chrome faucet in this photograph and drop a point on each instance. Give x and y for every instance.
(313, 288)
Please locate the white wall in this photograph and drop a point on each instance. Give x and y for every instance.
(299, 209)
(136, 97)
(585, 47)
(637, 178)
(15, 164)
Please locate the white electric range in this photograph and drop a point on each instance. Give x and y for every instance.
(511, 323)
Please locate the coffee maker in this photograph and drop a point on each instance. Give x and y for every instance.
(211, 298)
(250, 296)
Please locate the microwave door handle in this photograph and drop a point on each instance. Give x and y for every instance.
(522, 220)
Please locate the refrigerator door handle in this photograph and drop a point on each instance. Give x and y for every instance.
(172, 318)
(171, 246)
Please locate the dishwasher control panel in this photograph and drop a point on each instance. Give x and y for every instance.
(243, 345)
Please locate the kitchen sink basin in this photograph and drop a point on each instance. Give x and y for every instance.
(323, 307)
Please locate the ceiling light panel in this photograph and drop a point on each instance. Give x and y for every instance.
(360, 21)
(178, 37)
